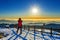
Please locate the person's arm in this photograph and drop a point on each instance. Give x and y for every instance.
(22, 21)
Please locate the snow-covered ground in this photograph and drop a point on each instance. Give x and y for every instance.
(27, 35)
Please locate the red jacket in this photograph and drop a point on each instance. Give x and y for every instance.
(19, 23)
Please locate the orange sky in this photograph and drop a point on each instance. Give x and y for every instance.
(32, 17)
(35, 18)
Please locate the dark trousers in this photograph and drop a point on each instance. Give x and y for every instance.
(19, 28)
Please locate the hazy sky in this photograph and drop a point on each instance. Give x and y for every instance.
(17, 8)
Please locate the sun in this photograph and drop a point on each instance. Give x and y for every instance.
(34, 10)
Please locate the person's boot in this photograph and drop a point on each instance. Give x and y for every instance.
(20, 32)
(16, 31)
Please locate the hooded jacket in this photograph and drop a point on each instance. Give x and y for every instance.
(19, 22)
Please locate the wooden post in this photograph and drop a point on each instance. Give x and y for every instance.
(34, 29)
(34, 32)
(28, 28)
(51, 31)
(42, 28)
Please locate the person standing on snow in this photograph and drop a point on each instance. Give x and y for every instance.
(19, 25)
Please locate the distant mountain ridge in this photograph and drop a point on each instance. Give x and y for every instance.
(6, 20)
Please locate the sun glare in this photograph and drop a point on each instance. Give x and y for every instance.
(34, 10)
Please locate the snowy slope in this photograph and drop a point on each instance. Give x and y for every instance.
(28, 35)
